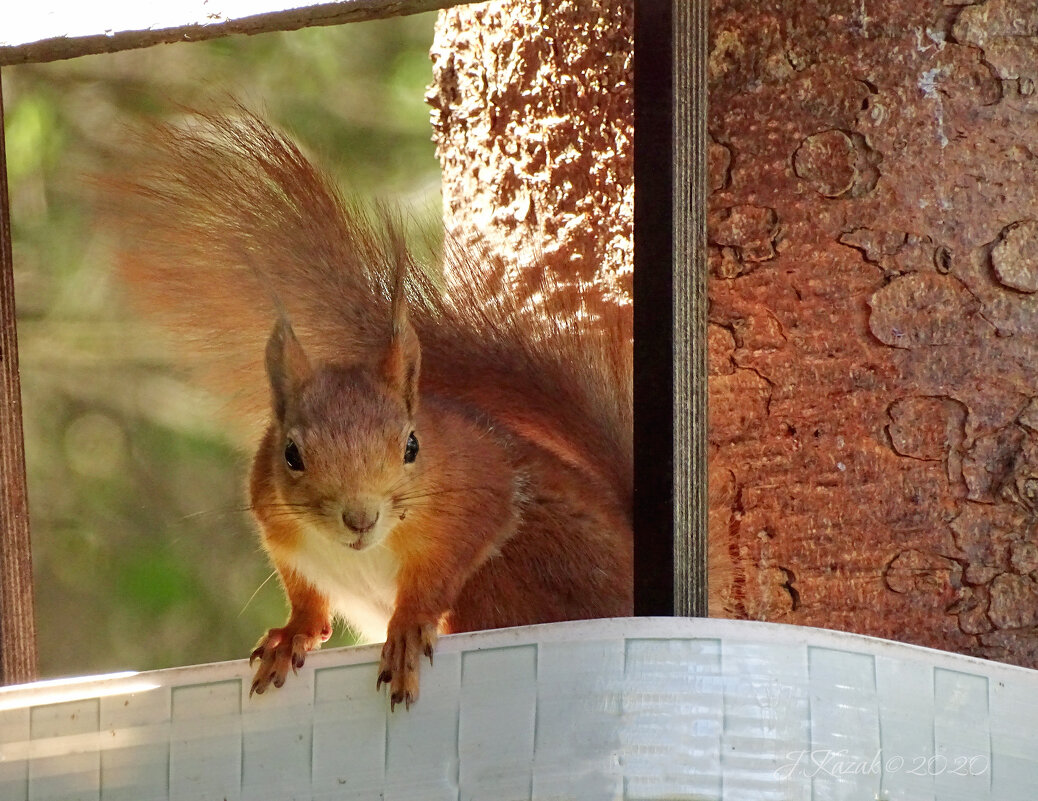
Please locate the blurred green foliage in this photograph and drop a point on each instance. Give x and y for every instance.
(144, 555)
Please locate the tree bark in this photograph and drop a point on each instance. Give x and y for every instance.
(532, 119)
(874, 270)
(873, 225)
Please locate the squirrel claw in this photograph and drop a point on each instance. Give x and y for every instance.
(401, 697)
(283, 649)
(399, 667)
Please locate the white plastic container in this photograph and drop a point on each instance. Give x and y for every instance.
(608, 709)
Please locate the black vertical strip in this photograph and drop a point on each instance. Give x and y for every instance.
(653, 308)
(17, 623)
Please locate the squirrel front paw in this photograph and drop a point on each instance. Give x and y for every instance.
(406, 641)
(284, 648)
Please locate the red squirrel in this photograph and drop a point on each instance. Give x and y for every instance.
(439, 455)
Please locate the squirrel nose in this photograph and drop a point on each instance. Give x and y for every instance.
(359, 521)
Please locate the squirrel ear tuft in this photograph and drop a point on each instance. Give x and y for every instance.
(402, 358)
(288, 366)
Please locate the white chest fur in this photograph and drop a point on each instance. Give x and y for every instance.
(361, 585)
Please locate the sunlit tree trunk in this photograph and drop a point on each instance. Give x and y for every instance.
(532, 118)
(533, 122)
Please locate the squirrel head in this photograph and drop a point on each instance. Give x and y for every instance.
(345, 449)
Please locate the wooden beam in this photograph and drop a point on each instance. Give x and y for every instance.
(689, 149)
(17, 618)
(108, 26)
(670, 307)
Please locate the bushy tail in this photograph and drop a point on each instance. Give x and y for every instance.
(222, 223)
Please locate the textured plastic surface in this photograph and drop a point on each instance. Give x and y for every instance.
(610, 709)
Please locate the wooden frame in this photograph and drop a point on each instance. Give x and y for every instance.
(17, 621)
(670, 307)
(669, 286)
(192, 21)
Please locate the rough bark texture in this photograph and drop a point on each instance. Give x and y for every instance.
(874, 264)
(532, 118)
(873, 224)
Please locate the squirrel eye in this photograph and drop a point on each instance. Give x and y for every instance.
(293, 459)
(411, 449)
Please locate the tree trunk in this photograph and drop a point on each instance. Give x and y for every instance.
(874, 283)
(532, 118)
(533, 122)
(874, 270)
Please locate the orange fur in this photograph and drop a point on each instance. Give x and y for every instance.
(516, 505)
